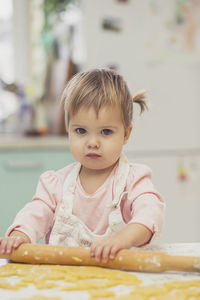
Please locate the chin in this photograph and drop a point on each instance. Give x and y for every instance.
(94, 167)
(98, 167)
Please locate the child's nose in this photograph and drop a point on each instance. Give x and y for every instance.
(93, 142)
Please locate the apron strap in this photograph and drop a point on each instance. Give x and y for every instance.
(69, 187)
(120, 182)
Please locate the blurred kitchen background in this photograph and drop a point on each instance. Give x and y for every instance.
(154, 44)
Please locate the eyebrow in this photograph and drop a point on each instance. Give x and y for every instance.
(105, 126)
(77, 125)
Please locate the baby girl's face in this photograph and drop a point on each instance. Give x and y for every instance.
(97, 141)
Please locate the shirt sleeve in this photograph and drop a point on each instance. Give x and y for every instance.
(146, 205)
(37, 217)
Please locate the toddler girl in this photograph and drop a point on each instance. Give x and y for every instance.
(101, 201)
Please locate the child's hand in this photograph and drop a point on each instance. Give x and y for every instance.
(107, 248)
(13, 241)
(132, 235)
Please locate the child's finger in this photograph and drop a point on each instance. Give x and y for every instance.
(106, 254)
(92, 250)
(98, 253)
(114, 251)
(2, 246)
(9, 245)
(17, 241)
(1, 240)
(4, 242)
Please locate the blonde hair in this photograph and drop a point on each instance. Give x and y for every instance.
(98, 88)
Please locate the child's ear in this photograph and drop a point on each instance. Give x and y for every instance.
(127, 133)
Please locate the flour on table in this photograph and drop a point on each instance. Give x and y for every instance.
(60, 282)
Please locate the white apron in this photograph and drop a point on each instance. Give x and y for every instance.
(69, 230)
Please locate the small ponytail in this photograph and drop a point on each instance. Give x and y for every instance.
(140, 98)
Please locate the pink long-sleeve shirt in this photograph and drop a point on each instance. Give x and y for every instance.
(141, 204)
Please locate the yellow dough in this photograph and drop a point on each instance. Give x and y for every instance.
(98, 282)
(42, 298)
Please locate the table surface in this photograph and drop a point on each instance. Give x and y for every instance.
(185, 249)
(21, 142)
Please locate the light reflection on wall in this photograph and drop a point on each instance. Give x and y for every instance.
(6, 42)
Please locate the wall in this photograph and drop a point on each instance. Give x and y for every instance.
(181, 195)
(158, 50)
(168, 73)
(21, 39)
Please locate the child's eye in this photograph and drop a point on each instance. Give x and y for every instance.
(80, 130)
(106, 131)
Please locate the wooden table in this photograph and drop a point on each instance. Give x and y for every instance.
(186, 249)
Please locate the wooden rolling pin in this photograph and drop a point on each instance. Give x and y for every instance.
(132, 260)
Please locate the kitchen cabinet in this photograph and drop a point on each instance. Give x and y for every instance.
(19, 174)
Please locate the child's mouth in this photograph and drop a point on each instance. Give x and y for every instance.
(93, 155)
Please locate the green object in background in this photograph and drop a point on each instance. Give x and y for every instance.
(52, 11)
(19, 174)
